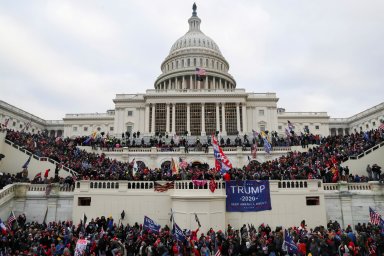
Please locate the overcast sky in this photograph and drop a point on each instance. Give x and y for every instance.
(59, 57)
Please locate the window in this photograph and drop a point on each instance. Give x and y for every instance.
(367, 126)
(317, 127)
(84, 201)
(85, 129)
(195, 115)
(231, 119)
(181, 118)
(33, 130)
(14, 123)
(261, 112)
(280, 127)
(373, 123)
(130, 113)
(188, 62)
(74, 129)
(306, 127)
(313, 200)
(129, 128)
(160, 118)
(21, 126)
(111, 128)
(262, 127)
(98, 129)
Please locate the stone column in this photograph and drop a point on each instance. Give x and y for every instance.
(189, 118)
(146, 118)
(214, 83)
(244, 110)
(238, 117)
(217, 117)
(167, 120)
(206, 82)
(224, 131)
(191, 83)
(153, 118)
(183, 83)
(203, 119)
(173, 118)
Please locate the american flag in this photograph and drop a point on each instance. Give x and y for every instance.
(381, 127)
(200, 72)
(162, 188)
(218, 253)
(11, 219)
(374, 216)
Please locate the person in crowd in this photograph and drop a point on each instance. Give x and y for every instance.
(320, 162)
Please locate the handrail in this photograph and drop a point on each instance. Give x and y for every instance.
(41, 159)
(366, 152)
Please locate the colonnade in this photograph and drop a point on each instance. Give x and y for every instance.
(191, 82)
(218, 117)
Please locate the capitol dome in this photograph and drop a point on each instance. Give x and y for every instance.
(195, 62)
(195, 38)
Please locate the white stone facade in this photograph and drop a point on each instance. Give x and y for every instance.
(292, 201)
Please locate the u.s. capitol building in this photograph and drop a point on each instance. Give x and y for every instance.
(200, 102)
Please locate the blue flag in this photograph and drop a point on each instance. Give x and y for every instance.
(149, 224)
(178, 233)
(289, 244)
(27, 163)
(267, 146)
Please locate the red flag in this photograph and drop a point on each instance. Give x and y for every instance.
(212, 185)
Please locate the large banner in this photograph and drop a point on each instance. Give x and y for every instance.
(248, 196)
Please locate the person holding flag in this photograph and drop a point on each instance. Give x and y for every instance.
(267, 145)
(289, 245)
(222, 162)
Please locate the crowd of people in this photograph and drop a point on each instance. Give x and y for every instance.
(103, 236)
(324, 161)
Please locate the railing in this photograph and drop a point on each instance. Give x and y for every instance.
(168, 91)
(90, 115)
(19, 189)
(45, 187)
(344, 186)
(190, 149)
(359, 186)
(366, 152)
(331, 186)
(7, 193)
(291, 184)
(38, 158)
(187, 185)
